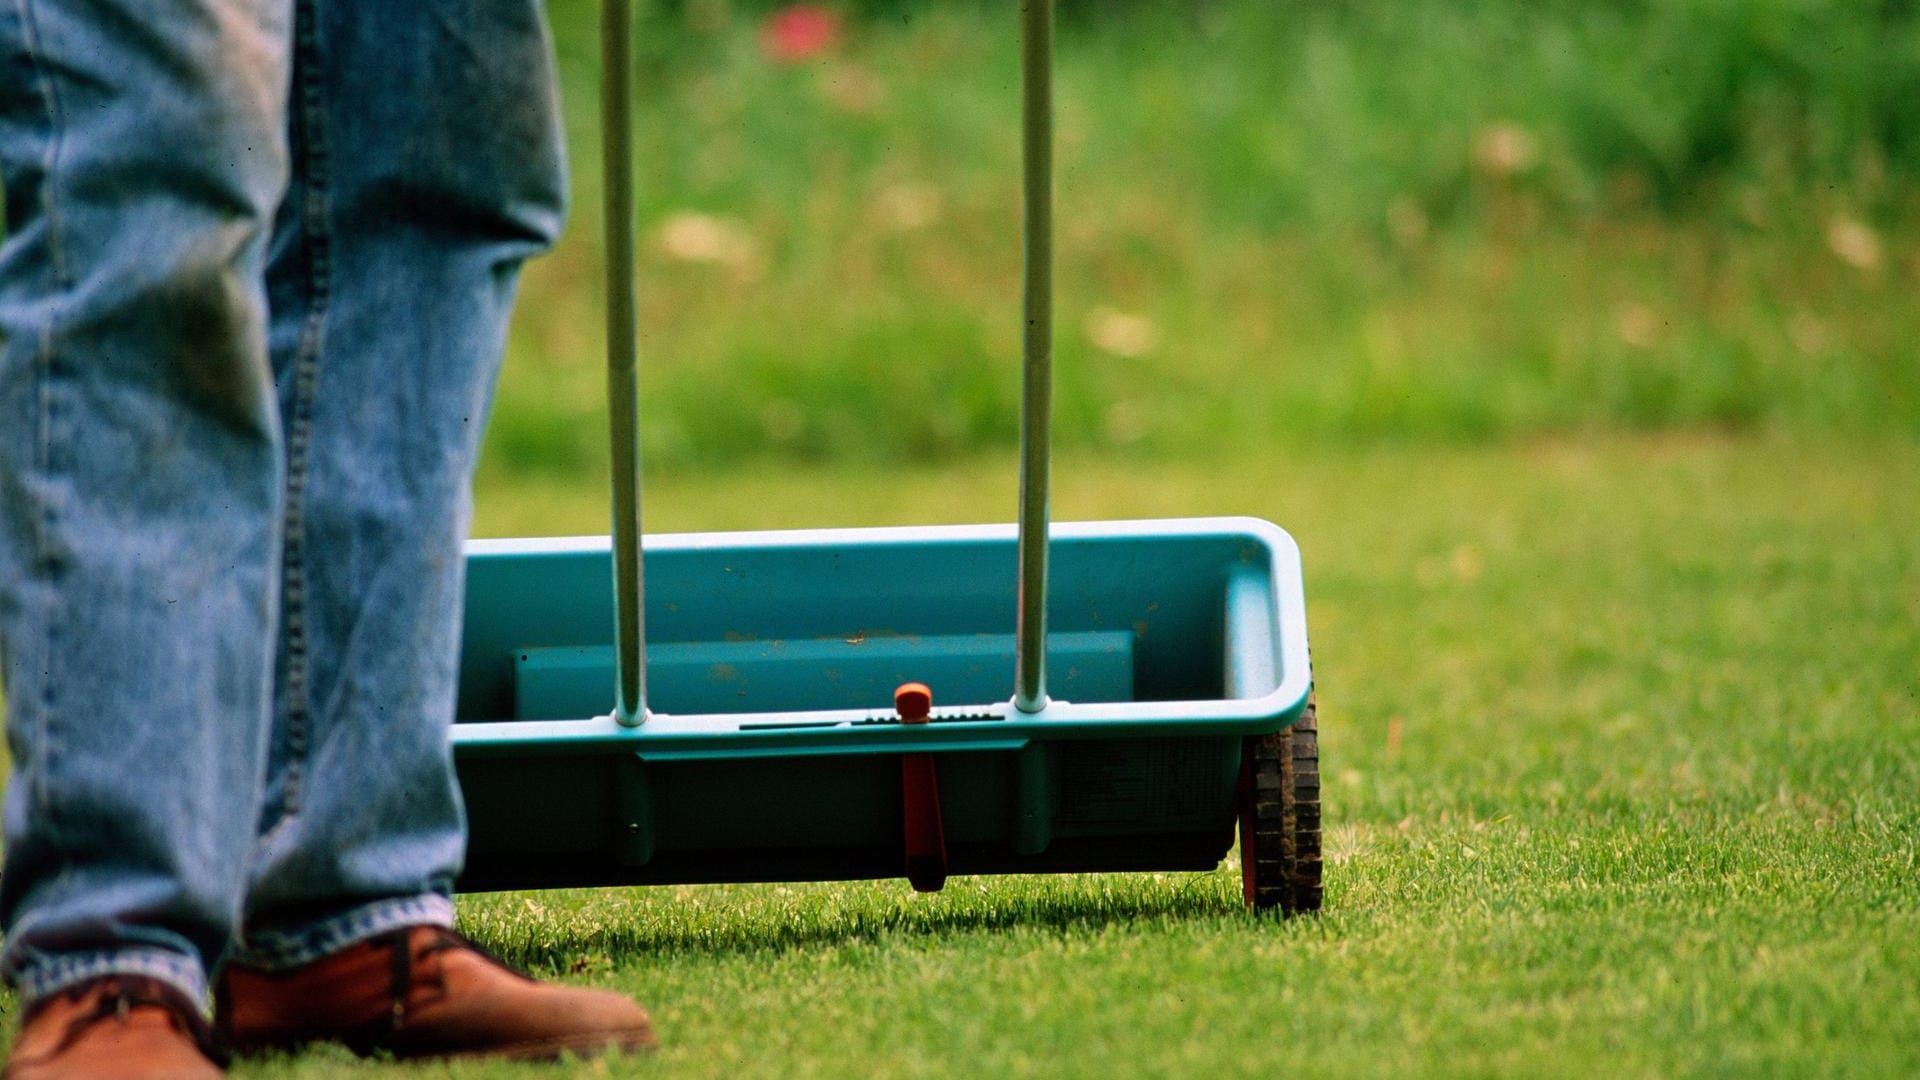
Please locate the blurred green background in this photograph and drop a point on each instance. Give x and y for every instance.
(1280, 222)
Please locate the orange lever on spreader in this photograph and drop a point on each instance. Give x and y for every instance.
(926, 834)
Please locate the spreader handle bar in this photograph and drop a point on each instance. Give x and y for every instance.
(1036, 400)
(1036, 396)
(623, 403)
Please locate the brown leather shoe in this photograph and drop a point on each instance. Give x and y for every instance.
(117, 1027)
(423, 991)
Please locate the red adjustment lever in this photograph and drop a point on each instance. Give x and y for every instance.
(920, 798)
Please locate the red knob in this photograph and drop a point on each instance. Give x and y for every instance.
(913, 701)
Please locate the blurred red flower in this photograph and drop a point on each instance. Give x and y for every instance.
(799, 32)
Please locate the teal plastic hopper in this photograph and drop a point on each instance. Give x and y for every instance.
(772, 749)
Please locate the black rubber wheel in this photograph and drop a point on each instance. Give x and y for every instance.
(1280, 818)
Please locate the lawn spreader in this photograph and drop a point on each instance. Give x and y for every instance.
(875, 703)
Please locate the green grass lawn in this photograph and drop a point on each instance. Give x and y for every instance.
(1622, 748)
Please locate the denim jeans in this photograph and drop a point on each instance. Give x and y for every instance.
(258, 262)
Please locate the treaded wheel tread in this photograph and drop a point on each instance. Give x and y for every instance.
(1285, 796)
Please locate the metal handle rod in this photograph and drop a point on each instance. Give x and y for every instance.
(1036, 397)
(623, 403)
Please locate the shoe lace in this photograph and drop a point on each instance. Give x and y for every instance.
(401, 953)
(120, 995)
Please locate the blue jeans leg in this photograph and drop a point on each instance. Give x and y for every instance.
(428, 166)
(188, 467)
(144, 154)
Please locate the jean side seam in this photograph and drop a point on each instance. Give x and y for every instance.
(316, 233)
(46, 558)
